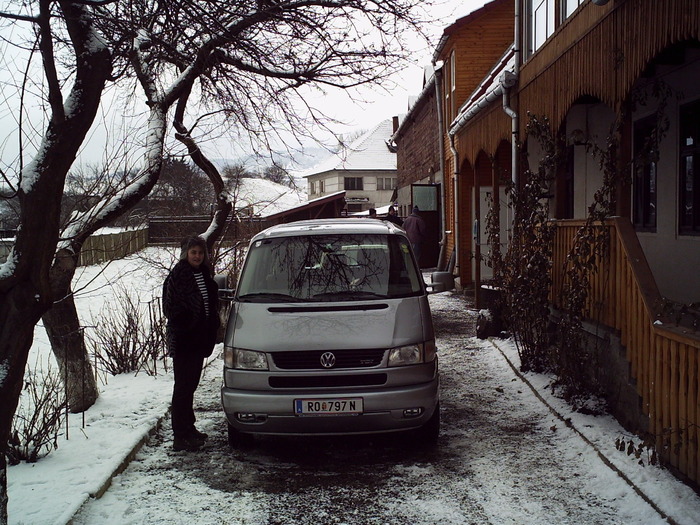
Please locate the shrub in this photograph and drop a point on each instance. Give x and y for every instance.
(37, 421)
(129, 336)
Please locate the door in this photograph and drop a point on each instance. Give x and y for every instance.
(480, 232)
(427, 198)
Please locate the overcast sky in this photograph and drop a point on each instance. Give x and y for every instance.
(376, 106)
(409, 84)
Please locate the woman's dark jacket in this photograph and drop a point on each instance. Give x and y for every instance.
(188, 329)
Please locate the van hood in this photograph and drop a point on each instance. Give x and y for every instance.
(329, 326)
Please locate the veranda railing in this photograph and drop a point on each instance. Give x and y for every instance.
(664, 357)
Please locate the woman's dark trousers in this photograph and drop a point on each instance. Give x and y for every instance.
(187, 370)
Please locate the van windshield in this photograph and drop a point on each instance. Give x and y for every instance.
(329, 268)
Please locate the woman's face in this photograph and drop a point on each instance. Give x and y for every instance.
(195, 256)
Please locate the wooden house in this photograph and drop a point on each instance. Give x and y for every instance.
(617, 81)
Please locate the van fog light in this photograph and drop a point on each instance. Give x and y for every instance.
(412, 412)
(250, 417)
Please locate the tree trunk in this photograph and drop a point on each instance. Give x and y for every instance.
(68, 345)
(67, 338)
(20, 309)
(3, 490)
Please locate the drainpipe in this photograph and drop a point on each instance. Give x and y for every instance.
(455, 180)
(441, 145)
(508, 80)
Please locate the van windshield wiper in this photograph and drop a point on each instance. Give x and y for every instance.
(348, 295)
(258, 297)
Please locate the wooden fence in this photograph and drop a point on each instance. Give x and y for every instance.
(102, 248)
(664, 357)
(99, 248)
(5, 246)
(172, 230)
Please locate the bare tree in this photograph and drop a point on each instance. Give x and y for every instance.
(251, 63)
(182, 189)
(25, 291)
(277, 174)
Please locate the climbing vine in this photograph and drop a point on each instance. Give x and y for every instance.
(523, 272)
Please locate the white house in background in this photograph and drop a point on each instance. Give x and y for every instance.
(365, 170)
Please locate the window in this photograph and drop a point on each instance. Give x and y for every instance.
(453, 85)
(541, 22)
(570, 6)
(353, 183)
(646, 156)
(689, 183)
(343, 267)
(543, 17)
(386, 183)
(312, 188)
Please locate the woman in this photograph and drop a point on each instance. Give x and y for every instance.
(190, 304)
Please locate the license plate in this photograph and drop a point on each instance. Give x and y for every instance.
(328, 407)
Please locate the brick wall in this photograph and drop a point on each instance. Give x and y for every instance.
(418, 155)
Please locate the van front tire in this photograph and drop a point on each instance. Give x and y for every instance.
(428, 434)
(238, 439)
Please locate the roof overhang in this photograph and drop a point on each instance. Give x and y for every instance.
(325, 206)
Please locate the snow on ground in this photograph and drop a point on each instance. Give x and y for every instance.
(53, 489)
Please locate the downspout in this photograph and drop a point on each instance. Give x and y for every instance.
(455, 180)
(508, 80)
(441, 145)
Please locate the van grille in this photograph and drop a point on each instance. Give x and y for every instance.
(327, 381)
(311, 359)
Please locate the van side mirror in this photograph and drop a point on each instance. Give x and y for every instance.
(224, 293)
(441, 282)
(435, 287)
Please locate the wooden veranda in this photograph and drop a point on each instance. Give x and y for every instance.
(664, 355)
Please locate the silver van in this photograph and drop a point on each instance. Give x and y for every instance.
(330, 332)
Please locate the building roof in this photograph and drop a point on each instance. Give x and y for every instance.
(326, 206)
(449, 30)
(428, 90)
(369, 152)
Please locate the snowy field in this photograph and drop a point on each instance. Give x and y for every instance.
(54, 489)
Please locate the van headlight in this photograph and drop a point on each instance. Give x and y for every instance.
(405, 355)
(412, 354)
(244, 359)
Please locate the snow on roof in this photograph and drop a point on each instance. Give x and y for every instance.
(367, 152)
(267, 197)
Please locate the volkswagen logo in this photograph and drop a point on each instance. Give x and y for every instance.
(327, 360)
